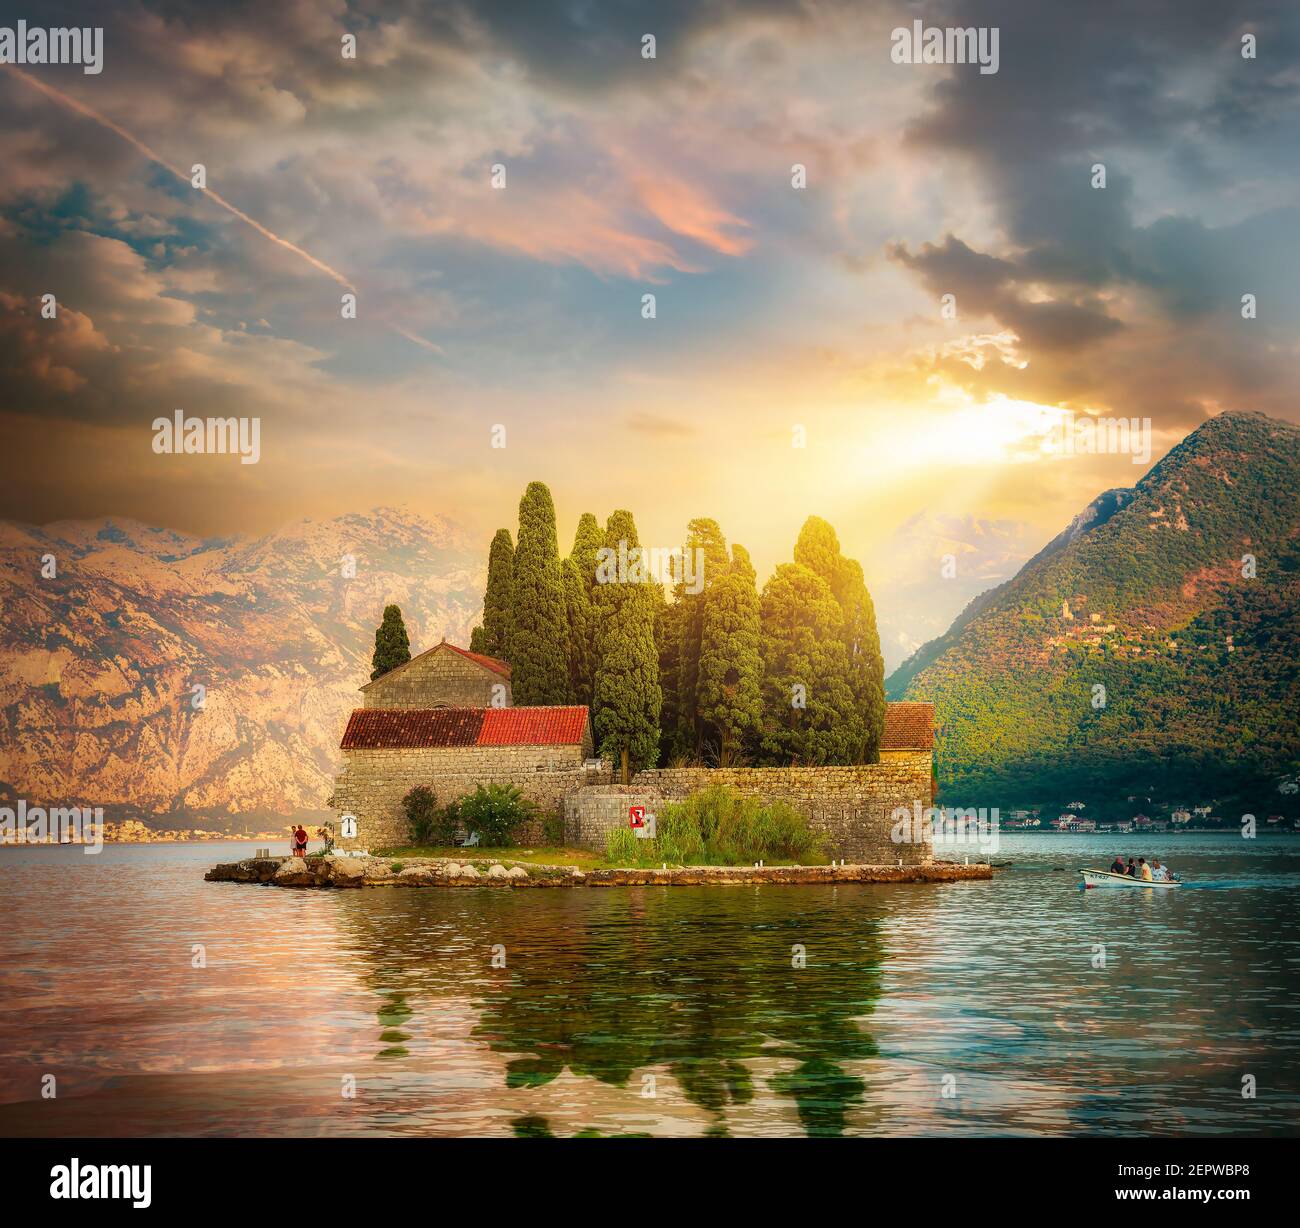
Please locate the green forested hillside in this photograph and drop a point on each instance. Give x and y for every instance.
(1150, 599)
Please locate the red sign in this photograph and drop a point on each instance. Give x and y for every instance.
(637, 815)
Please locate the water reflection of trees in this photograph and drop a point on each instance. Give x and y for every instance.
(609, 983)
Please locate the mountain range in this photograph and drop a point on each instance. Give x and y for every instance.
(110, 626)
(1150, 649)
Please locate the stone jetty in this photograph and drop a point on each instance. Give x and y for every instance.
(365, 871)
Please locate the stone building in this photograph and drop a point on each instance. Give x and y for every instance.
(443, 677)
(388, 751)
(444, 720)
(908, 735)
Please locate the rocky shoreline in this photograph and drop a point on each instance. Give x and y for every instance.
(363, 871)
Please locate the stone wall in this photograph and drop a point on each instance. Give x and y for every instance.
(373, 783)
(851, 806)
(590, 814)
(439, 679)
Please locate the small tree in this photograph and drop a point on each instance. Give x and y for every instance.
(421, 809)
(392, 645)
(428, 822)
(496, 812)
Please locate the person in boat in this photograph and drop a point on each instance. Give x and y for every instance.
(1132, 870)
(1117, 866)
(1144, 870)
(1159, 873)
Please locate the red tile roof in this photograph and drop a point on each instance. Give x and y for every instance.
(533, 727)
(411, 728)
(404, 728)
(500, 667)
(908, 726)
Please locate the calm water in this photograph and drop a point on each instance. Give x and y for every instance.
(985, 989)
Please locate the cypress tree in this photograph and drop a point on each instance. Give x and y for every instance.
(392, 645)
(671, 743)
(476, 640)
(581, 623)
(818, 549)
(805, 662)
(498, 598)
(539, 628)
(627, 695)
(731, 660)
(586, 541)
(705, 535)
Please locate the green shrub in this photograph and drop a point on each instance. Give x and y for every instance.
(719, 826)
(622, 847)
(446, 825)
(421, 809)
(553, 830)
(495, 812)
(677, 836)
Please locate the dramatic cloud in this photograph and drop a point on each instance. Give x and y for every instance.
(522, 305)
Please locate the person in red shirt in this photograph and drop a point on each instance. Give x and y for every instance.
(300, 841)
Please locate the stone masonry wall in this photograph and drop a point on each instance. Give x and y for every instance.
(373, 783)
(440, 678)
(590, 814)
(851, 806)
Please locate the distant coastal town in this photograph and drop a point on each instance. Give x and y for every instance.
(133, 831)
(1180, 819)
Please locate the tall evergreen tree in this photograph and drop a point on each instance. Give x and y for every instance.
(731, 659)
(818, 549)
(539, 657)
(706, 536)
(809, 712)
(476, 643)
(627, 695)
(587, 540)
(392, 645)
(581, 621)
(498, 598)
(671, 742)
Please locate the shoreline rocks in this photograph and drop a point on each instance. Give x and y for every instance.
(366, 871)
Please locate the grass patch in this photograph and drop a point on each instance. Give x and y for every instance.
(720, 827)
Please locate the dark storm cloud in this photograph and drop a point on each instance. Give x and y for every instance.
(1160, 94)
(982, 285)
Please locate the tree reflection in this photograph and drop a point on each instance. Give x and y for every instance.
(622, 984)
(663, 986)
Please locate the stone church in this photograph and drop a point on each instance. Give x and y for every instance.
(445, 720)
